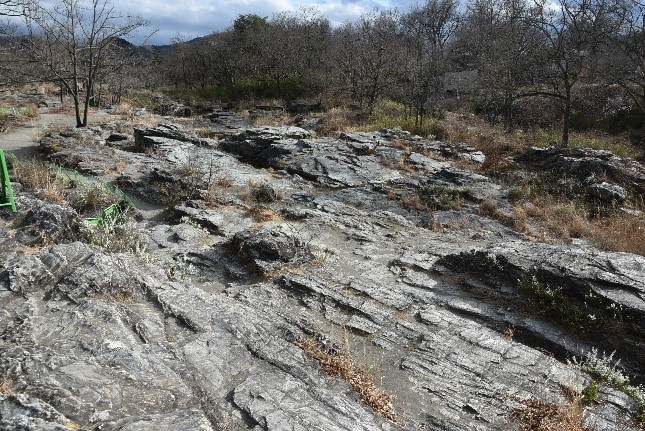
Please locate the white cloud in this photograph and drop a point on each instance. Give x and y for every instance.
(193, 18)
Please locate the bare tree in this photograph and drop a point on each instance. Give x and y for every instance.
(428, 30)
(11, 8)
(572, 31)
(498, 42)
(625, 63)
(295, 47)
(369, 55)
(192, 63)
(8, 73)
(70, 42)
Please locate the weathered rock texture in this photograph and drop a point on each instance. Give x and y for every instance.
(204, 335)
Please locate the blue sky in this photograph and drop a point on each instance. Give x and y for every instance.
(193, 18)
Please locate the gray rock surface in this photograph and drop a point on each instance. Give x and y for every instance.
(197, 337)
(608, 286)
(607, 193)
(587, 165)
(270, 248)
(45, 223)
(144, 138)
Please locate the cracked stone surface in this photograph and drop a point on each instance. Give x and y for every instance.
(204, 334)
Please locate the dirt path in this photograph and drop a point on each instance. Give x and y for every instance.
(20, 141)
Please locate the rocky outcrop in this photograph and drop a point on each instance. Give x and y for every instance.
(81, 150)
(591, 291)
(325, 160)
(372, 248)
(588, 166)
(270, 248)
(265, 146)
(157, 355)
(148, 138)
(46, 223)
(224, 121)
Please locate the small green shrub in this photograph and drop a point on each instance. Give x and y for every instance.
(590, 392)
(263, 193)
(444, 198)
(515, 194)
(551, 302)
(606, 370)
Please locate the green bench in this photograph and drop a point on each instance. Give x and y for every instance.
(6, 192)
(108, 214)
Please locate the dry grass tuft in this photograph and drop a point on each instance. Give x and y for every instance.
(263, 214)
(224, 181)
(536, 415)
(621, 232)
(71, 425)
(38, 175)
(123, 297)
(6, 387)
(271, 119)
(337, 120)
(341, 365)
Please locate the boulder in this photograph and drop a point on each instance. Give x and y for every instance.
(270, 248)
(143, 138)
(607, 193)
(47, 223)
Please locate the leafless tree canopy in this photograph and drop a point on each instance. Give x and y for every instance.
(507, 50)
(71, 43)
(495, 53)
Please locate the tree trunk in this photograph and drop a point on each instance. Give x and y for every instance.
(77, 111)
(566, 121)
(86, 103)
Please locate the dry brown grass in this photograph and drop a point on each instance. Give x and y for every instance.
(564, 220)
(6, 387)
(621, 232)
(224, 181)
(271, 119)
(40, 176)
(71, 425)
(341, 365)
(263, 214)
(413, 203)
(123, 297)
(537, 415)
(337, 120)
(401, 165)
(488, 207)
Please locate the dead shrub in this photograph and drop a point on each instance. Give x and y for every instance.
(262, 192)
(341, 365)
(337, 120)
(519, 220)
(263, 214)
(413, 203)
(537, 415)
(488, 207)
